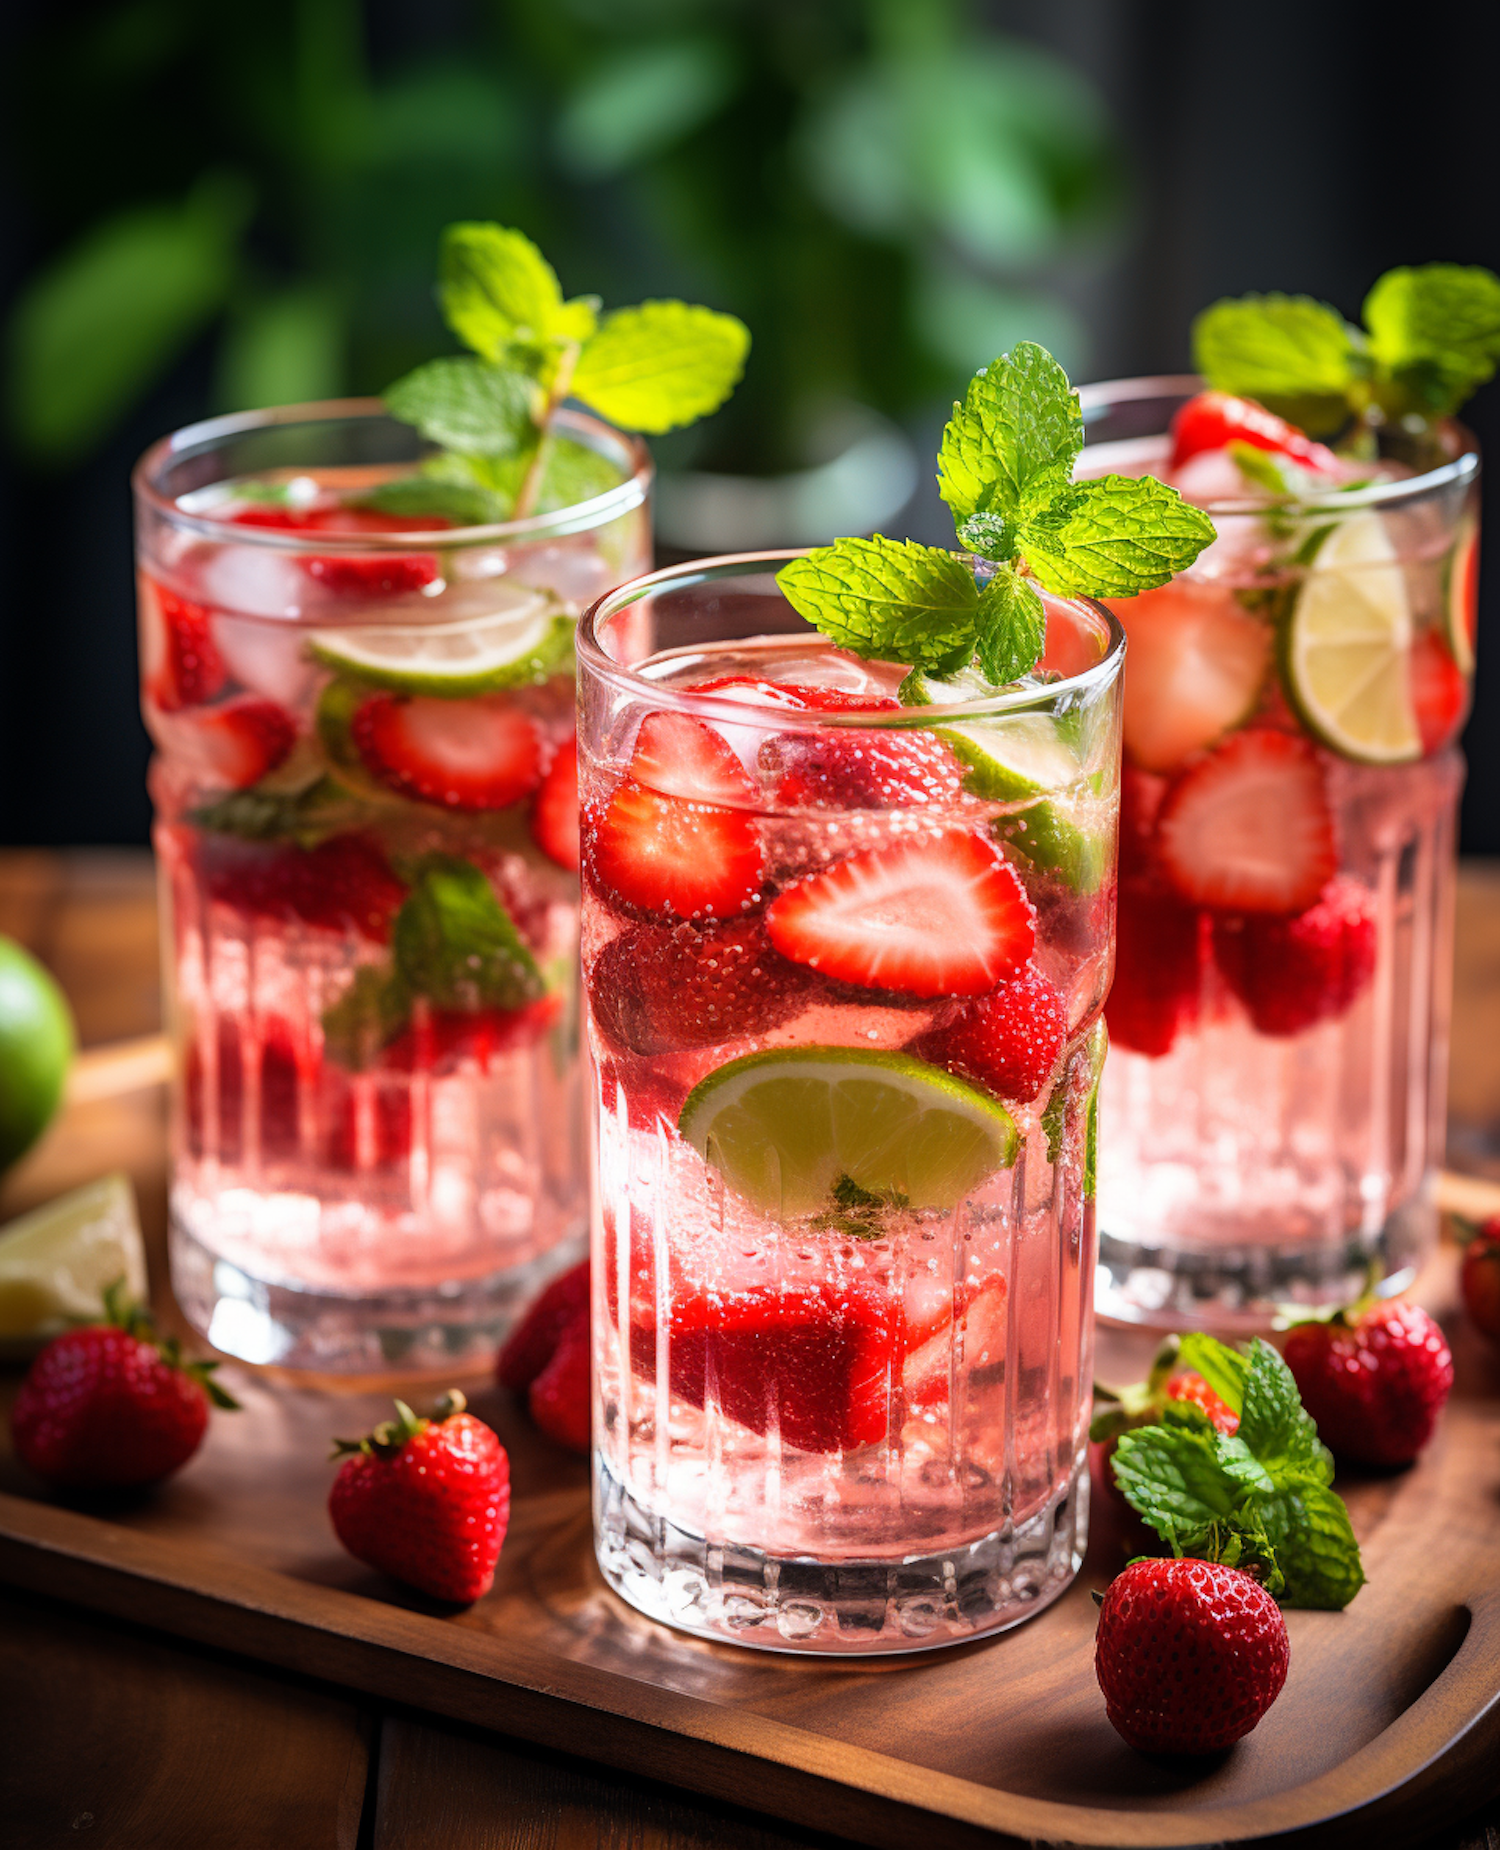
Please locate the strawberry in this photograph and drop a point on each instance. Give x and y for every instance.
(676, 839)
(1293, 973)
(1439, 691)
(236, 743)
(478, 754)
(927, 1372)
(838, 769)
(1480, 1278)
(1159, 956)
(284, 1062)
(425, 1501)
(1190, 1388)
(1214, 419)
(1374, 1377)
(656, 988)
(329, 516)
(441, 1040)
(1189, 1654)
(351, 574)
(940, 916)
(345, 884)
(393, 574)
(108, 1407)
(192, 669)
(813, 1362)
(554, 809)
(531, 1344)
(1008, 1040)
(560, 1400)
(1197, 663)
(1121, 1410)
(367, 1123)
(1248, 828)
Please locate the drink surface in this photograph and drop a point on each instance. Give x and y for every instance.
(367, 835)
(1278, 1025)
(844, 1001)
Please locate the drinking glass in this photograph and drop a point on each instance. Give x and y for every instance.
(365, 829)
(1273, 1112)
(841, 1283)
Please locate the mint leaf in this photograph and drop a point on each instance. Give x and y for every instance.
(1012, 626)
(1223, 1368)
(1011, 444)
(662, 364)
(988, 536)
(1272, 1421)
(372, 1011)
(1436, 332)
(305, 817)
(571, 473)
(456, 944)
(466, 504)
(1298, 356)
(1113, 537)
(496, 288)
(1171, 1474)
(1315, 1545)
(894, 600)
(466, 404)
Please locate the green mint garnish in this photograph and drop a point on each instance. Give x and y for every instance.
(649, 368)
(1261, 1495)
(305, 817)
(1431, 338)
(1006, 470)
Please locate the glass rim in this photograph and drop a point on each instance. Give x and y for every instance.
(579, 517)
(1460, 469)
(781, 719)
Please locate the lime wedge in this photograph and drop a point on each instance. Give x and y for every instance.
(526, 640)
(1346, 648)
(56, 1261)
(782, 1127)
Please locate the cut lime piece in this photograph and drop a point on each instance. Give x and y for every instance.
(337, 705)
(525, 641)
(1346, 650)
(1026, 755)
(783, 1127)
(56, 1261)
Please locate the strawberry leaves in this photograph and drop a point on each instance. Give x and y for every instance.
(1005, 468)
(1262, 1492)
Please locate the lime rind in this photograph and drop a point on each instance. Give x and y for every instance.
(784, 1126)
(1456, 608)
(451, 661)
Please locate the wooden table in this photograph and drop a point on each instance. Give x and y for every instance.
(115, 1735)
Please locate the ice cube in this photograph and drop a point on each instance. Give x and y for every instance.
(254, 581)
(267, 658)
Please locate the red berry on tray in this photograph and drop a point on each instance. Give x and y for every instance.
(478, 754)
(656, 988)
(1248, 828)
(533, 1341)
(1293, 973)
(554, 809)
(1190, 1388)
(943, 915)
(1009, 1040)
(1374, 1378)
(1480, 1279)
(426, 1501)
(559, 1398)
(1213, 420)
(1189, 1654)
(108, 1407)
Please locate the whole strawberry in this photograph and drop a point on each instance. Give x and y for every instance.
(1374, 1378)
(546, 1357)
(109, 1407)
(426, 1501)
(1189, 1654)
(1480, 1279)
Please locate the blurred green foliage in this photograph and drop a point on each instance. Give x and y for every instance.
(875, 186)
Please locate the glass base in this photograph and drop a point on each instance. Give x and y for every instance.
(440, 1329)
(739, 1594)
(1244, 1287)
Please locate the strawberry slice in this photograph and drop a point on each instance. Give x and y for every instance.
(1293, 973)
(1214, 419)
(235, 744)
(1159, 959)
(351, 575)
(1198, 661)
(944, 916)
(476, 754)
(677, 839)
(795, 696)
(1248, 828)
(657, 988)
(1439, 691)
(554, 810)
(440, 1040)
(380, 575)
(814, 1363)
(192, 669)
(861, 770)
(344, 884)
(1008, 1040)
(926, 1375)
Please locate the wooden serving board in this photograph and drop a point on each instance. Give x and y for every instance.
(1391, 1713)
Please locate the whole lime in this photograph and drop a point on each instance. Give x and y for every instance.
(36, 1046)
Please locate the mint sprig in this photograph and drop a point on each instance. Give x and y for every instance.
(649, 368)
(1431, 338)
(1005, 468)
(1262, 1494)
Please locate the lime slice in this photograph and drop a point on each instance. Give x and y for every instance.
(1026, 755)
(56, 1261)
(1346, 649)
(527, 640)
(784, 1126)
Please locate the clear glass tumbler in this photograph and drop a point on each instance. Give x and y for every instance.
(843, 1241)
(1273, 1113)
(365, 791)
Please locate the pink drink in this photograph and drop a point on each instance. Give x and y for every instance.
(1273, 1112)
(842, 1365)
(367, 837)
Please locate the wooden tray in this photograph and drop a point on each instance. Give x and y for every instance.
(1391, 1711)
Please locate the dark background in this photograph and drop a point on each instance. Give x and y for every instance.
(1162, 153)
